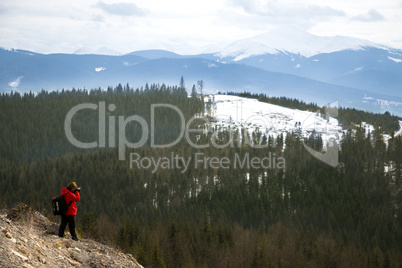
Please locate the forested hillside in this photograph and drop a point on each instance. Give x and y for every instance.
(302, 213)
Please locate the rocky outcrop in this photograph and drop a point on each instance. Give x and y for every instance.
(28, 239)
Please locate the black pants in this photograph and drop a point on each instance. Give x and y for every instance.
(70, 219)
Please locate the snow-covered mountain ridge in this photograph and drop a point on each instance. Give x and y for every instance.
(292, 40)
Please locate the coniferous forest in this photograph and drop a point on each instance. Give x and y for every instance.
(303, 213)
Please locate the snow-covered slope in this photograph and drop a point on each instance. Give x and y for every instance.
(271, 120)
(291, 40)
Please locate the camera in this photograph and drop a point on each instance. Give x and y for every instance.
(78, 189)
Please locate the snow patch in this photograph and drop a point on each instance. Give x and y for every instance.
(394, 53)
(127, 64)
(16, 82)
(369, 129)
(395, 59)
(99, 69)
(386, 103)
(400, 129)
(8, 49)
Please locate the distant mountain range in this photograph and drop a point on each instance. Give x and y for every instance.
(284, 62)
(97, 51)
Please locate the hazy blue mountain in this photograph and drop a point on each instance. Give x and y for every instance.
(340, 60)
(155, 54)
(26, 71)
(372, 69)
(97, 51)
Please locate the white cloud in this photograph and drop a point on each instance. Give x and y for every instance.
(183, 26)
(371, 15)
(274, 9)
(123, 9)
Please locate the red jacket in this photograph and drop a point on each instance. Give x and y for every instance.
(70, 196)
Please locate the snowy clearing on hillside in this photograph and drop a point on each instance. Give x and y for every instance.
(232, 112)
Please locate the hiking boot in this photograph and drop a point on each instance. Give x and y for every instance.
(75, 238)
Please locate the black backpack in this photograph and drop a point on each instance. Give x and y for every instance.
(59, 205)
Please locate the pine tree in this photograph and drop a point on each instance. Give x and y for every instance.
(89, 226)
(157, 258)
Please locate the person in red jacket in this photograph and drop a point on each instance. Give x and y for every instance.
(71, 195)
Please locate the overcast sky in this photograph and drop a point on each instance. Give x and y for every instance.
(186, 26)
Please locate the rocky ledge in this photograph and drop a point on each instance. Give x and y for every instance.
(28, 239)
